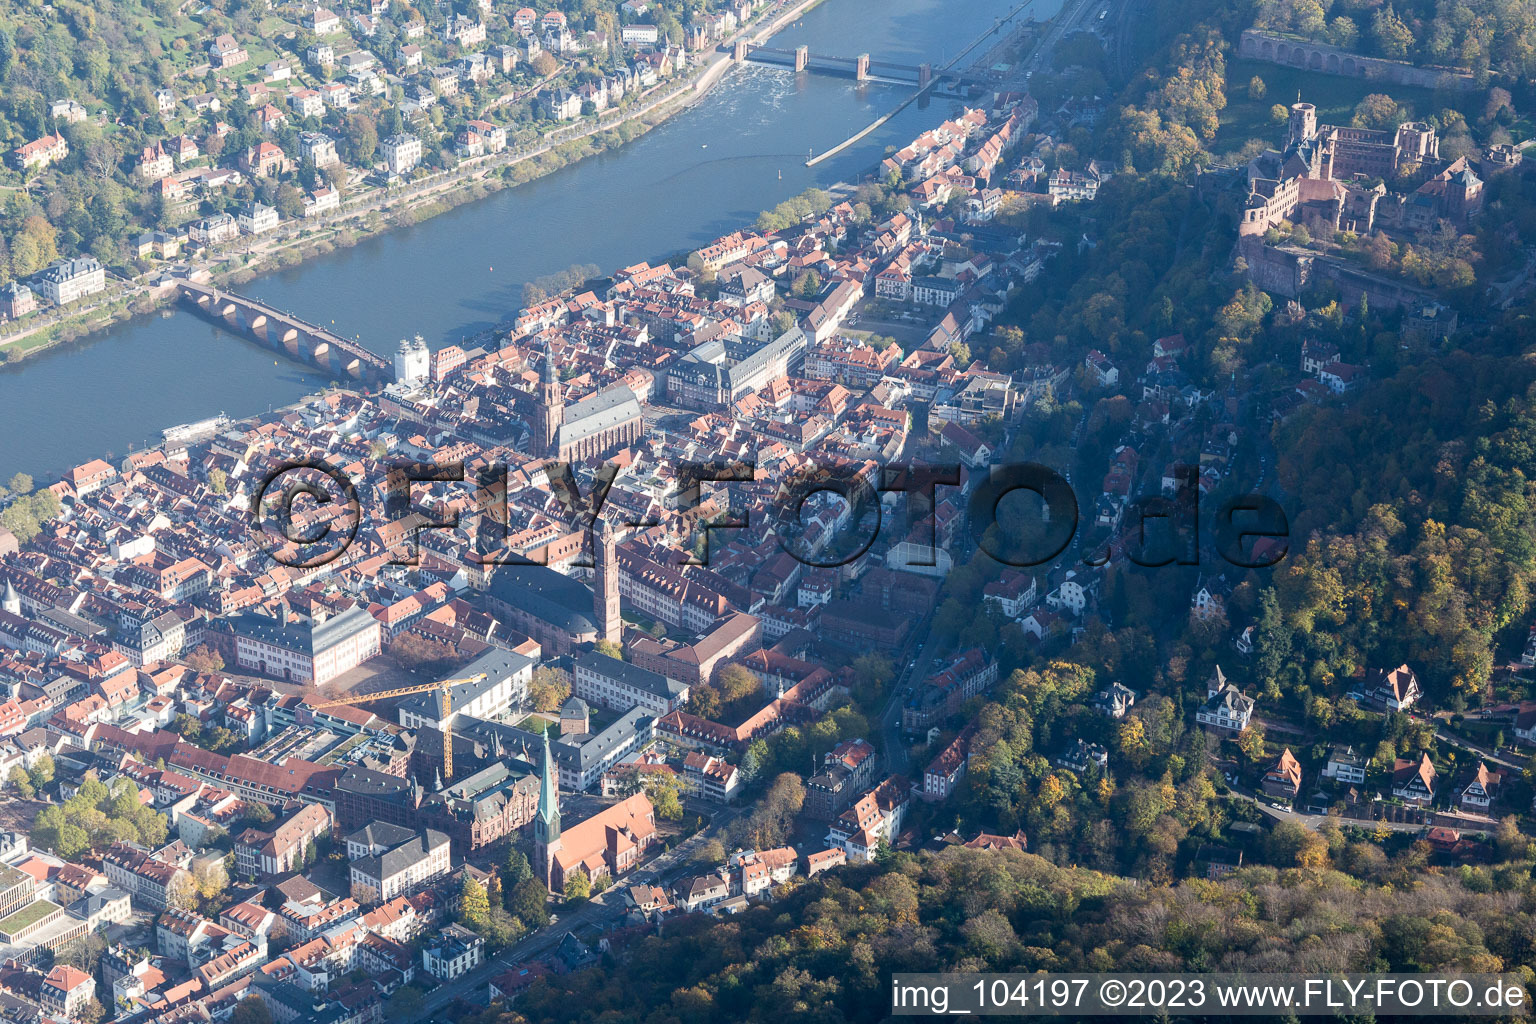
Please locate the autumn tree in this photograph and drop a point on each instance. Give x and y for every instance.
(181, 892)
(251, 1010)
(204, 659)
(549, 688)
(1377, 110)
(663, 793)
(1391, 37)
(474, 904)
(414, 651)
(1251, 743)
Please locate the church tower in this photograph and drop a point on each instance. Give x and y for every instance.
(605, 583)
(546, 825)
(551, 403)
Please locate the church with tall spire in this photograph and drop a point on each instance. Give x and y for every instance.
(610, 843)
(551, 408)
(602, 422)
(546, 824)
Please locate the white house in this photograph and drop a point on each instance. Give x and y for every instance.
(1225, 707)
(258, 219)
(453, 953)
(401, 153)
(68, 280)
(1345, 764)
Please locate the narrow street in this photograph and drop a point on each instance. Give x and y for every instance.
(912, 659)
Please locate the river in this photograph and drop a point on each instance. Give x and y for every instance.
(703, 173)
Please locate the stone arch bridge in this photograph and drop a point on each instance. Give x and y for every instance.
(287, 334)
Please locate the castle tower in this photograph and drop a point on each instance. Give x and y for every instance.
(551, 403)
(546, 824)
(605, 583)
(1303, 123)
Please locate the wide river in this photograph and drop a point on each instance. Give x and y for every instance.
(705, 172)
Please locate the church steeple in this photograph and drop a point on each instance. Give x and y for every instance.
(551, 408)
(546, 825)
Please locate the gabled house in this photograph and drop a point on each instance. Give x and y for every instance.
(1414, 781)
(1480, 791)
(1283, 779)
(1394, 689)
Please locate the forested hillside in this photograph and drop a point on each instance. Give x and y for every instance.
(1498, 37)
(822, 953)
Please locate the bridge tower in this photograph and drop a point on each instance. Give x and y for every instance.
(739, 54)
(924, 75)
(802, 58)
(863, 68)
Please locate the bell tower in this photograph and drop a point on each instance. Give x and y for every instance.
(605, 583)
(551, 404)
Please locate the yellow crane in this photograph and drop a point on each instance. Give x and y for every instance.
(444, 687)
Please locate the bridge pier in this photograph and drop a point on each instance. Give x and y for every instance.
(739, 54)
(862, 68)
(924, 75)
(802, 58)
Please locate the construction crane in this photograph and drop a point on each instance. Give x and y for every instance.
(444, 687)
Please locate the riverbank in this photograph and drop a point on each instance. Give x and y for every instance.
(372, 214)
(737, 152)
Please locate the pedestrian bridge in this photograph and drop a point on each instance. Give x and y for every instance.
(287, 334)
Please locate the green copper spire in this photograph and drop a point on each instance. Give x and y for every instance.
(549, 797)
